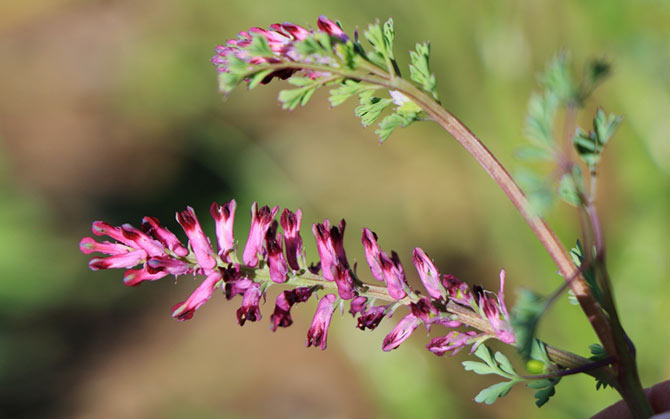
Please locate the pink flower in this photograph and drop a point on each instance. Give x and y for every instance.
(87, 245)
(184, 310)
(199, 242)
(142, 240)
(458, 290)
(394, 274)
(344, 282)
(453, 342)
(430, 277)
(224, 216)
(495, 310)
(332, 28)
(372, 253)
(123, 260)
(152, 226)
(290, 222)
(250, 310)
(329, 244)
(424, 310)
(134, 277)
(317, 335)
(260, 223)
(276, 261)
(282, 314)
(401, 332)
(371, 317)
(168, 265)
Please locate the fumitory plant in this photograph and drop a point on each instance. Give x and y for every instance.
(462, 315)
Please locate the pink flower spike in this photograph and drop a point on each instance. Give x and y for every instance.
(152, 226)
(199, 242)
(331, 28)
(123, 260)
(317, 335)
(430, 277)
(87, 245)
(224, 215)
(394, 274)
(372, 253)
(276, 261)
(453, 342)
(290, 222)
(250, 310)
(401, 332)
(260, 222)
(134, 277)
(185, 310)
(151, 246)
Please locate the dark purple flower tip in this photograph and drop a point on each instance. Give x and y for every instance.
(372, 317)
(123, 260)
(430, 277)
(317, 335)
(152, 226)
(250, 310)
(424, 310)
(290, 222)
(394, 274)
(401, 332)
(87, 245)
(372, 253)
(332, 28)
(276, 261)
(344, 282)
(282, 314)
(261, 219)
(185, 310)
(224, 216)
(236, 287)
(134, 277)
(453, 342)
(199, 242)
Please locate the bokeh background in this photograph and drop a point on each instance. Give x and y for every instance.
(109, 110)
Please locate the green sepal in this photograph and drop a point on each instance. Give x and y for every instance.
(419, 70)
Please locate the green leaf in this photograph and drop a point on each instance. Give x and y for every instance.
(391, 122)
(590, 145)
(546, 389)
(259, 46)
(532, 153)
(491, 394)
(597, 352)
(348, 89)
(540, 117)
(540, 195)
(291, 98)
(526, 315)
(317, 44)
(257, 78)
(478, 367)
(577, 255)
(504, 363)
(379, 54)
(571, 187)
(419, 70)
(557, 79)
(370, 110)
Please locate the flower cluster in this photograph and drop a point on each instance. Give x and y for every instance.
(277, 45)
(271, 256)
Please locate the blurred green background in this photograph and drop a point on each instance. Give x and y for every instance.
(109, 110)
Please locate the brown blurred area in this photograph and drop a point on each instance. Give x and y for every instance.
(109, 110)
